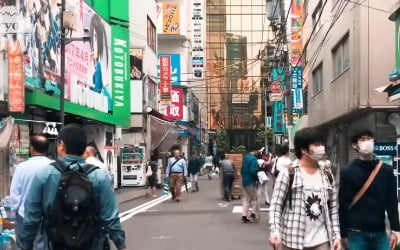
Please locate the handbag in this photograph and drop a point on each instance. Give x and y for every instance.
(149, 171)
(366, 185)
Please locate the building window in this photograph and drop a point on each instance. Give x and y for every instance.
(316, 20)
(151, 34)
(317, 76)
(340, 54)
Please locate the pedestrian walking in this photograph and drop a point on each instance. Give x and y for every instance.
(21, 184)
(325, 163)
(228, 175)
(90, 157)
(262, 184)
(74, 199)
(208, 165)
(152, 180)
(194, 169)
(283, 161)
(304, 209)
(368, 189)
(176, 172)
(249, 183)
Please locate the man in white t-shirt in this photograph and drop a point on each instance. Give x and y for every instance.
(208, 165)
(283, 161)
(90, 158)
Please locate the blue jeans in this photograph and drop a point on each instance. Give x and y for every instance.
(40, 242)
(367, 241)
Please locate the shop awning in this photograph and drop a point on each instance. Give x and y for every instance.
(162, 131)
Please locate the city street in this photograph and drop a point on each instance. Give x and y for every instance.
(200, 221)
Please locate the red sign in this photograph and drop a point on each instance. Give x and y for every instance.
(174, 111)
(275, 87)
(165, 78)
(16, 78)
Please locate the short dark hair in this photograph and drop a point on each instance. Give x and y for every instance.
(357, 134)
(40, 143)
(253, 148)
(283, 149)
(74, 138)
(305, 137)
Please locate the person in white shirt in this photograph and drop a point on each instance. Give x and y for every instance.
(208, 165)
(21, 182)
(283, 161)
(325, 163)
(90, 158)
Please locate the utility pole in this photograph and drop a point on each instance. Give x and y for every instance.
(62, 66)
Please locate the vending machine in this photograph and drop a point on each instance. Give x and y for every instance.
(133, 166)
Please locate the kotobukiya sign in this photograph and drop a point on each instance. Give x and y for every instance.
(119, 70)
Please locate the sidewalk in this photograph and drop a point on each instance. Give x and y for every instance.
(126, 194)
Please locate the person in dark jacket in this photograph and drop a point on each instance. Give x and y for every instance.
(152, 179)
(228, 175)
(363, 223)
(193, 170)
(249, 183)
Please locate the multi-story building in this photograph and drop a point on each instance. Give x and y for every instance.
(347, 56)
(235, 39)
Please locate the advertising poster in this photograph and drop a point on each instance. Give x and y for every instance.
(175, 68)
(296, 34)
(16, 86)
(136, 64)
(165, 78)
(174, 110)
(171, 18)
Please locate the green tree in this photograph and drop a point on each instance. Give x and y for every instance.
(261, 133)
(222, 140)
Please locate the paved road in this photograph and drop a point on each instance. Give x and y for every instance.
(200, 221)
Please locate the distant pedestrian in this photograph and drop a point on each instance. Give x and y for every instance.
(304, 209)
(208, 165)
(262, 184)
(249, 182)
(75, 200)
(21, 184)
(194, 169)
(152, 180)
(368, 190)
(325, 163)
(228, 176)
(176, 172)
(90, 157)
(283, 161)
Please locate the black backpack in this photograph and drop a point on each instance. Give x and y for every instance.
(72, 223)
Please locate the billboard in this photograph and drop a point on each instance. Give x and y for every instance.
(174, 110)
(136, 64)
(175, 68)
(16, 88)
(171, 19)
(165, 78)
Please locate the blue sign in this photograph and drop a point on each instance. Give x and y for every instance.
(297, 101)
(297, 78)
(175, 68)
(385, 148)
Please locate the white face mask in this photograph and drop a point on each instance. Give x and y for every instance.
(366, 147)
(319, 153)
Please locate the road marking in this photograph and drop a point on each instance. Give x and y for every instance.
(223, 204)
(238, 210)
(146, 206)
(162, 237)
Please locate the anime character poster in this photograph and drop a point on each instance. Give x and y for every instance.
(87, 63)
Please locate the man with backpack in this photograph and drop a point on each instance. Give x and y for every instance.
(304, 210)
(74, 199)
(368, 189)
(176, 172)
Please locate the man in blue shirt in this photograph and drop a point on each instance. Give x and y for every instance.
(249, 182)
(22, 180)
(176, 171)
(71, 145)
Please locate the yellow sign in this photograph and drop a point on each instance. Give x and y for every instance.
(171, 19)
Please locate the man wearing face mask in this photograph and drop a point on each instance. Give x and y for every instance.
(368, 189)
(304, 210)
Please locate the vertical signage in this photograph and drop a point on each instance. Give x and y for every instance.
(175, 68)
(16, 82)
(295, 37)
(197, 40)
(165, 78)
(171, 19)
(278, 124)
(174, 110)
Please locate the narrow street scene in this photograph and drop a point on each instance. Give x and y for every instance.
(199, 124)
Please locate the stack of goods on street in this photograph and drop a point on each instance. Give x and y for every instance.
(7, 226)
(237, 160)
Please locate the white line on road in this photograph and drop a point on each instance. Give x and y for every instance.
(238, 210)
(144, 207)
